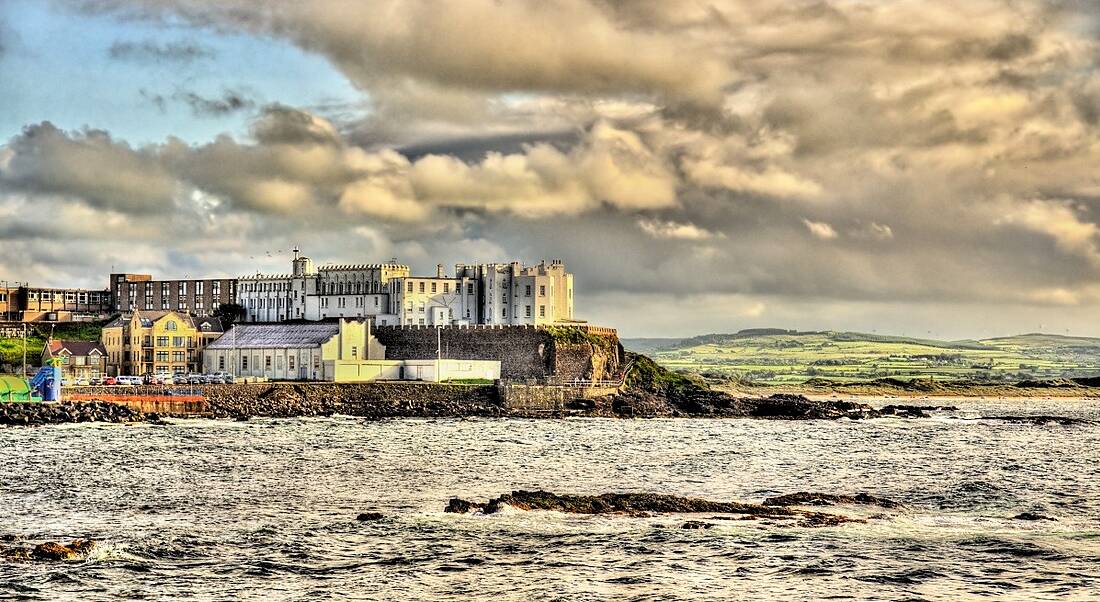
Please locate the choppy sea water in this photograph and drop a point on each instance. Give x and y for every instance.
(266, 510)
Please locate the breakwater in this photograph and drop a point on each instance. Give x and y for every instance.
(34, 413)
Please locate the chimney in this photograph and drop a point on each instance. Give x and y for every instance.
(439, 270)
(296, 251)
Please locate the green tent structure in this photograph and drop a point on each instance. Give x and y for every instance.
(13, 388)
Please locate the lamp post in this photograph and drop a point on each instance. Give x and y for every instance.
(24, 349)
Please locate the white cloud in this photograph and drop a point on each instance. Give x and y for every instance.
(820, 230)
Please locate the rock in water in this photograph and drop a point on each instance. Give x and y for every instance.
(460, 506)
(696, 524)
(1033, 516)
(807, 498)
(642, 504)
(369, 516)
(78, 549)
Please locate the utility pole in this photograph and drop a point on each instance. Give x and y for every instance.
(24, 349)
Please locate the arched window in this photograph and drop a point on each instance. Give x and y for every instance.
(170, 325)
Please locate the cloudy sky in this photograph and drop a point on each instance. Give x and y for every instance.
(921, 167)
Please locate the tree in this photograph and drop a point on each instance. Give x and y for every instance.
(229, 313)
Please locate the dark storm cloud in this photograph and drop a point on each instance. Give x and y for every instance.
(229, 102)
(155, 52)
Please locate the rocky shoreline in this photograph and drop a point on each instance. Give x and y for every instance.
(32, 414)
(648, 392)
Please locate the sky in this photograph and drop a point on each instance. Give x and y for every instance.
(927, 168)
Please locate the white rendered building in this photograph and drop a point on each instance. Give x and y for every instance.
(386, 293)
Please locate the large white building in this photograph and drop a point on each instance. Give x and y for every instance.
(386, 293)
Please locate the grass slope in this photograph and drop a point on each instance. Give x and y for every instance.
(11, 348)
(781, 357)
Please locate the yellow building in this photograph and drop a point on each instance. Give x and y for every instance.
(158, 342)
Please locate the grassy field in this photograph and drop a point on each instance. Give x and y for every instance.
(11, 349)
(776, 357)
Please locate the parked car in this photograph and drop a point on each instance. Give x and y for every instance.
(82, 382)
(195, 379)
(167, 379)
(96, 381)
(110, 380)
(128, 380)
(224, 378)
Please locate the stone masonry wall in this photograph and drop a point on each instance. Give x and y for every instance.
(522, 352)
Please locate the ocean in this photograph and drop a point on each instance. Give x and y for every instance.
(266, 509)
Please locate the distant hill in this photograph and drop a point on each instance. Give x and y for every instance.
(648, 346)
(777, 356)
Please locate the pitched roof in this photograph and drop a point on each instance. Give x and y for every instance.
(78, 348)
(149, 316)
(275, 336)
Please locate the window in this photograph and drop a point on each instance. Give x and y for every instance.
(504, 312)
(179, 356)
(162, 341)
(244, 362)
(469, 288)
(221, 363)
(177, 341)
(527, 311)
(171, 325)
(527, 291)
(542, 311)
(433, 287)
(162, 357)
(446, 287)
(267, 362)
(198, 287)
(421, 287)
(410, 287)
(290, 362)
(354, 352)
(542, 290)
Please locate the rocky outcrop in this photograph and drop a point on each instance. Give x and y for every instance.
(78, 549)
(640, 504)
(34, 414)
(370, 517)
(1033, 516)
(806, 498)
(1059, 420)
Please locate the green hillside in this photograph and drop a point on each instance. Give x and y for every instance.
(780, 357)
(11, 348)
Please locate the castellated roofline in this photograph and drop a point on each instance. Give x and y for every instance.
(361, 266)
(264, 276)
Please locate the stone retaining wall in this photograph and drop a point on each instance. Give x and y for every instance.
(522, 352)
